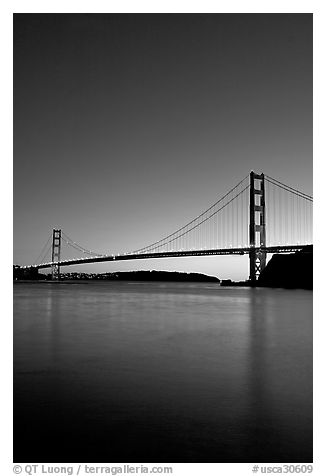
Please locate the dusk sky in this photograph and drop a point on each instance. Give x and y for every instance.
(127, 126)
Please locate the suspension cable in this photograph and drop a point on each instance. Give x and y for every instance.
(203, 221)
(73, 246)
(41, 254)
(48, 251)
(288, 188)
(78, 247)
(192, 221)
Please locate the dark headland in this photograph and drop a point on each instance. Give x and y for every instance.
(291, 271)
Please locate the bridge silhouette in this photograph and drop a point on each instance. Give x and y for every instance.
(259, 215)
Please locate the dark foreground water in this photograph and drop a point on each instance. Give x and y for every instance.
(161, 372)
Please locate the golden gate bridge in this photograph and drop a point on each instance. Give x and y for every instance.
(259, 215)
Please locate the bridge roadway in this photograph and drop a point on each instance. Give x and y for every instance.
(171, 254)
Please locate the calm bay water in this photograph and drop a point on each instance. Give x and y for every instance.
(161, 372)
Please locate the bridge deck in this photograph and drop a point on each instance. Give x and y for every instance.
(172, 254)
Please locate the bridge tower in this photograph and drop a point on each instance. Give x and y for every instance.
(257, 226)
(56, 251)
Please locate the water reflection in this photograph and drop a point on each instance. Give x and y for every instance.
(280, 374)
(162, 372)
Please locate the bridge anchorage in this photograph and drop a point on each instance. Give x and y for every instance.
(258, 216)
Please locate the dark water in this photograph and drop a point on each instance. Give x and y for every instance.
(161, 372)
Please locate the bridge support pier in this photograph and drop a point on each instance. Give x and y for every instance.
(56, 251)
(257, 226)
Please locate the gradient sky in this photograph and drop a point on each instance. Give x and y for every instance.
(126, 126)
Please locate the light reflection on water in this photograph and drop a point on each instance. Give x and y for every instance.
(162, 372)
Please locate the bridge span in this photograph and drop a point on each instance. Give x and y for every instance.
(258, 216)
(171, 254)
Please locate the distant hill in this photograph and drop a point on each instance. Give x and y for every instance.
(293, 270)
(173, 276)
(164, 276)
